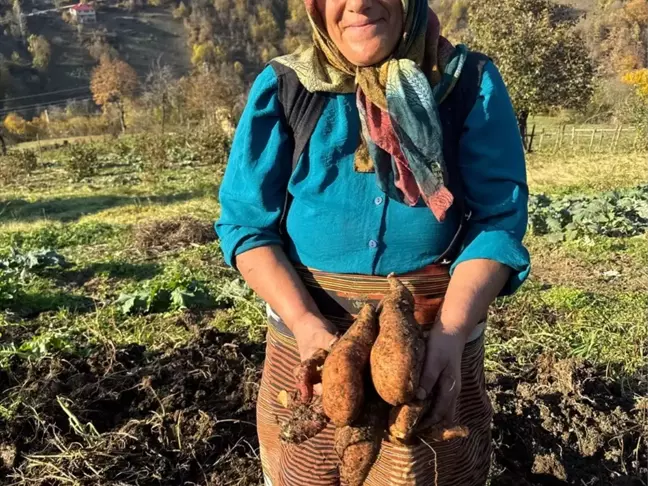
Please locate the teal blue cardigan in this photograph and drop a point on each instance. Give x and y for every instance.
(340, 221)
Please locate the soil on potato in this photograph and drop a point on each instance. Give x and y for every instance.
(129, 417)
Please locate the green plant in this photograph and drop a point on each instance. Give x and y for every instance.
(17, 164)
(616, 213)
(173, 291)
(26, 159)
(81, 160)
(24, 263)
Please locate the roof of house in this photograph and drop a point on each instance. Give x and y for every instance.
(83, 7)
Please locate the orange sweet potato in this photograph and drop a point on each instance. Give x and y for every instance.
(343, 390)
(399, 351)
(357, 446)
(403, 420)
(407, 421)
(308, 373)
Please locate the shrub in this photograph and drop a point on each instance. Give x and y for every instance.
(17, 164)
(27, 160)
(81, 160)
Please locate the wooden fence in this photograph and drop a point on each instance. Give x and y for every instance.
(584, 140)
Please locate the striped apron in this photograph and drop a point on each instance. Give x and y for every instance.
(459, 462)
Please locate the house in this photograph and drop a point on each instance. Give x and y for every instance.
(83, 13)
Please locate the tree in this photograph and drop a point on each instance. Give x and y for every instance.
(206, 53)
(639, 80)
(160, 91)
(40, 50)
(112, 82)
(15, 124)
(543, 61)
(181, 11)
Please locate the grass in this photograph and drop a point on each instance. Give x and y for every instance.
(556, 174)
(126, 287)
(585, 297)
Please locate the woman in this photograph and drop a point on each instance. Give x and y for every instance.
(399, 151)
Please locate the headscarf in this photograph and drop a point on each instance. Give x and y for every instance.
(397, 100)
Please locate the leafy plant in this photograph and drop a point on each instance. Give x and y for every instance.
(81, 160)
(15, 269)
(161, 296)
(615, 214)
(17, 164)
(22, 264)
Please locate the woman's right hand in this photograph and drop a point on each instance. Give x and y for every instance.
(312, 333)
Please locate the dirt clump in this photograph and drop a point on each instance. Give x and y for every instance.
(566, 421)
(173, 234)
(127, 416)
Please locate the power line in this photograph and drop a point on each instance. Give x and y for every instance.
(79, 88)
(41, 105)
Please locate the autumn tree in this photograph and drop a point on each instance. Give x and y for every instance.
(617, 36)
(40, 50)
(15, 124)
(113, 81)
(543, 61)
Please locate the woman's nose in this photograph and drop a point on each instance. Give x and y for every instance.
(358, 6)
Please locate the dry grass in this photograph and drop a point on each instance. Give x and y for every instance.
(595, 173)
(172, 234)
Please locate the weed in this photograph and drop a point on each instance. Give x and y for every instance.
(81, 160)
(58, 236)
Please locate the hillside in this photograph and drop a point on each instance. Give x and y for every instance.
(141, 38)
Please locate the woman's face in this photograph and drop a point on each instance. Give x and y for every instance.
(365, 31)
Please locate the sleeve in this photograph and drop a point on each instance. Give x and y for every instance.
(493, 169)
(253, 189)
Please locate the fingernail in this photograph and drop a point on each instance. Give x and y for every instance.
(421, 394)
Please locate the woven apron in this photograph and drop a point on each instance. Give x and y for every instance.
(458, 462)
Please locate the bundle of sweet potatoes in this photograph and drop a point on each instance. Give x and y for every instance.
(369, 382)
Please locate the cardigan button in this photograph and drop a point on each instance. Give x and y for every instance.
(378, 201)
(373, 244)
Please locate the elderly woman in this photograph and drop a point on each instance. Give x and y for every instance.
(380, 149)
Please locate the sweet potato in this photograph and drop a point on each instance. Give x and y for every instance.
(308, 373)
(305, 421)
(357, 447)
(407, 421)
(343, 390)
(403, 420)
(399, 351)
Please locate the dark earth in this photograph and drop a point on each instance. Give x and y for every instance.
(186, 417)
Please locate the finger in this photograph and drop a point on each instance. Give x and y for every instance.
(445, 399)
(317, 389)
(429, 377)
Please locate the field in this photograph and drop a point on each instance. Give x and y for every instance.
(130, 354)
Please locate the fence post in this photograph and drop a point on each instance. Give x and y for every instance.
(592, 140)
(617, 136)
(542, 136)
(531, 137)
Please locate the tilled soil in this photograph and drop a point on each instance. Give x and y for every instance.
(124, 417)
(567, 423)
(185, 417)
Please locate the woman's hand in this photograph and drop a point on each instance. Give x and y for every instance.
(312, 333)
(441, 376)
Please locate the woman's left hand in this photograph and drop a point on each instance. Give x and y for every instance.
(441, 375)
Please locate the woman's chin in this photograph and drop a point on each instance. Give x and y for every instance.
(366, 53)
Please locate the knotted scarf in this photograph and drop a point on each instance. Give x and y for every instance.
(402, 140)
